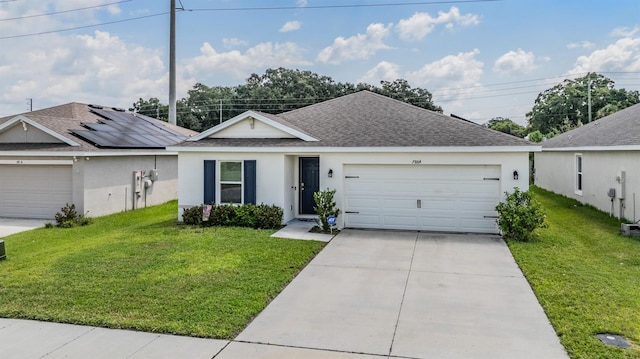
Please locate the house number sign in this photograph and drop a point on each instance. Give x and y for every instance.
(416, 162)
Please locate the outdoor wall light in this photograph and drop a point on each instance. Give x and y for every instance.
(330, 173)
(515, 175)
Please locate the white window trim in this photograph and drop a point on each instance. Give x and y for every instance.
(220, 182)
(578, 173)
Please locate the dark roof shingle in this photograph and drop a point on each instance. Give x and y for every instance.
(618, 129)
(64, 119)
(366, 119)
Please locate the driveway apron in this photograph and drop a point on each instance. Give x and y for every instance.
(408, 294)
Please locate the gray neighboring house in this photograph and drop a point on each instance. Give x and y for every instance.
(393, 165)
(597, 164)
(101, 159)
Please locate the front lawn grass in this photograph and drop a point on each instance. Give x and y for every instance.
(141, 270)
(585, 275)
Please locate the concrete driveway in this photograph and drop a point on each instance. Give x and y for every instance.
(404, 294)
(10, 226)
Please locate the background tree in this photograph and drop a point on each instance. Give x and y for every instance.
(152, 108)
(536, 136)
(507, 126)
(565, 105)
(275, 91)
(401, 90)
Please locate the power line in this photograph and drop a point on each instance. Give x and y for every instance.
(340, 6)
(63, 11)
(81, 27)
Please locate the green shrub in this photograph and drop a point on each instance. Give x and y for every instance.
(268, 216)
(192, 216)
(260, 216)
(245, 216)
(68, 217)
(519, 216)
(325, 207)
(222, 215)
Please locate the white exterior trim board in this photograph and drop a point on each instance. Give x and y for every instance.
(297, 150)
(593, 148)
(82, 154)
(36, 162)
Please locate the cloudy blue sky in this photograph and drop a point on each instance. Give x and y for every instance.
(480, 59)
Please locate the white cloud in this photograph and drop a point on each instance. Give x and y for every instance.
(422, 24)
(581, 45)
(623, 55)
(233, 42)
(624, 31)
(515, 63)
(451, 78)
(450, 71)
(301, 3)
(383, 71)
(291, 26)
(98, 68)
(239, 65)
(360, 46)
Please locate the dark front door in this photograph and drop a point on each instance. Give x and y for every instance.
(309, 183)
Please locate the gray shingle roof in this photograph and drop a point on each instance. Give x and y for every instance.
(366, 119)
(619, 129)
(65, 118)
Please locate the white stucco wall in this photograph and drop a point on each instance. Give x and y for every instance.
(270, 172)
(17, 134)
(107, 182)
(555, 171)
(249, 128)
(277, 173)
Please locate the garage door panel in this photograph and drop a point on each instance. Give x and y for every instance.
(34, 191)
(363, 220)
(363, 203)
(452, 198)
(399, 221)
(473, 224)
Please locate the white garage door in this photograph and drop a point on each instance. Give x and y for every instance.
(34, 191)
(420, 197)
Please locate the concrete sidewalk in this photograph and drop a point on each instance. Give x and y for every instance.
(22, 339)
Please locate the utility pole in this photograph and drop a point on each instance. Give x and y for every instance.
(589, 96)
(172, 64)
(30, 102)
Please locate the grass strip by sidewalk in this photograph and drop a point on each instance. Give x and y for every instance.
(140, 270)
(585, 275)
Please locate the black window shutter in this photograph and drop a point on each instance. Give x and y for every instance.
(250, 182)
(209, 182)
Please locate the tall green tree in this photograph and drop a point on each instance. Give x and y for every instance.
(275, 91)
(152, 108)
(507, 126)
(401, 90)
(566, 104)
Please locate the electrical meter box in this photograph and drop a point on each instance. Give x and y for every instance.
(620, 184)
(137, 181)
(153, 175)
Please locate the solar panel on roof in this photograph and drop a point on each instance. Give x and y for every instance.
(126, 130)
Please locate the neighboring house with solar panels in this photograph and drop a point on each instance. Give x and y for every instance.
(597, 164)
(393, 165)
(103, 160)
